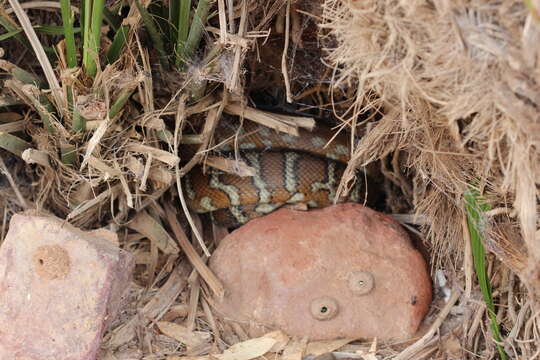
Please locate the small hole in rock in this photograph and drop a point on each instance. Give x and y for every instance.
(324, 309)
(40, 261)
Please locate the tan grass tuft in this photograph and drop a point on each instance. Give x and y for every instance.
(459, 88)
(458, 82)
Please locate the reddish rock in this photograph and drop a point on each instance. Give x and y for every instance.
(59, 288)
(345, 271)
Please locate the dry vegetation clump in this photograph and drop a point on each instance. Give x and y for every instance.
(459, 82)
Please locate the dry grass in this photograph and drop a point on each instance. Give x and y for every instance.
(460, 96)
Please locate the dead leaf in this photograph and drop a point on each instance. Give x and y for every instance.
(178, 332)
(248, 350)
(320, 347)
(295, 350)
(161, 155)
(236, 167)
(281, 340)
(144, 224)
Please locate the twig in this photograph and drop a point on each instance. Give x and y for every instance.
(42, 5)
(208, 129)
(194, 294)
(468, 259)
(93, 202)
(211, 321)
(222, 22)
(194, 258)
(285, 51)
(20, 198)
(230, 8)
(232, 81)
(161, 155)
(262, 117)
(40, 53)
(4, 224)
(147, 166)
(237, 167)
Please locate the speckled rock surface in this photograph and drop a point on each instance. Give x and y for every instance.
(59, 287)
(343, 271)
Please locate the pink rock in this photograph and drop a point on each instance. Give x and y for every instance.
(345, 271)
(59, 287)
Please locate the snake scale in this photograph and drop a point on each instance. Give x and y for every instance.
(288, 170)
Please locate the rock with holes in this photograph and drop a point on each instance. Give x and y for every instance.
(59, 288)
(345, 271)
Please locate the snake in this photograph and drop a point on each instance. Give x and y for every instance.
(288, 170)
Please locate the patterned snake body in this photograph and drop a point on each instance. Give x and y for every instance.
(288, 170)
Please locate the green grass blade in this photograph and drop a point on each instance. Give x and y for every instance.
(120, 102)
(79, 122)
(95, 36)
(45, 110)
(153, 32)
(475, 208)
(71, 47)
(53, 30)
(68, 154)
(118, 44)
(165, 136)
(69, 33)
(183, 30)
(7, 23)
(196, 29)
(13, 144)
(93, 19)
(22, 75)
(32, 95)
(174, 10)
(10, 34)
(114, 21)
(83, 22)
(160, 14)
(183, 20)
(86, 12)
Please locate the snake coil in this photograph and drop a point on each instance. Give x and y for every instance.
(288, 170)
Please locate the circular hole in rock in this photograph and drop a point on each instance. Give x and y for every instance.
(361, 282)
(324, 308)
(51, 262)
